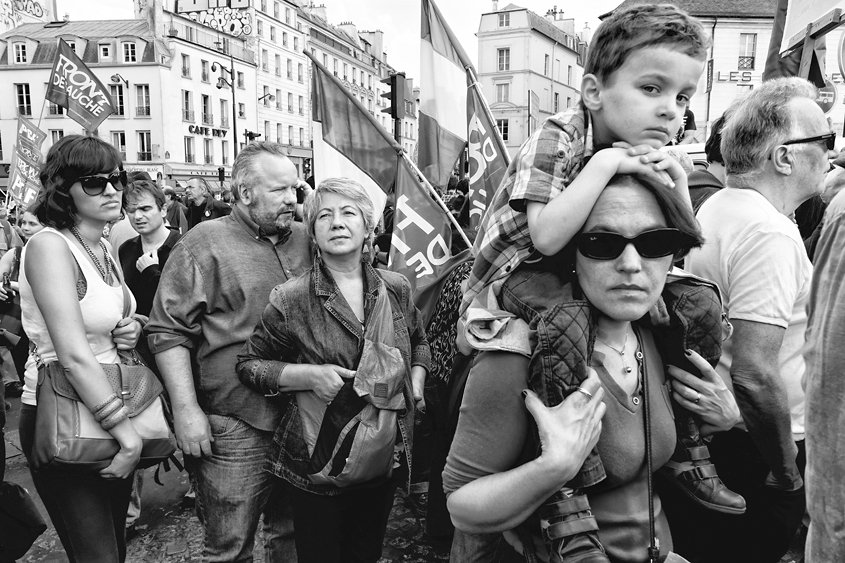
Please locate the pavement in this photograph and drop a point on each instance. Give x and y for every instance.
(169, 532)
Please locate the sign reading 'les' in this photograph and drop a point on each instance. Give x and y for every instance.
(73, 86)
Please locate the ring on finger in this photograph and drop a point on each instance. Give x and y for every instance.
(697, 397)
(584, 391)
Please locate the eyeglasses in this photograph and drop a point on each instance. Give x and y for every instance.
(95, 185)
(650, 244)
(829, 140)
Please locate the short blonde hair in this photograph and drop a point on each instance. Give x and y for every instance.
(352, 190)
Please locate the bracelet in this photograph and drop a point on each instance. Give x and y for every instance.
(102, 405)
(108, 410)
(116, 418)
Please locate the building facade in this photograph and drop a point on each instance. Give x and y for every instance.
(529, 67)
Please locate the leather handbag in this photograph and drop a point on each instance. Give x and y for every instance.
(68, 437)
(20, 521)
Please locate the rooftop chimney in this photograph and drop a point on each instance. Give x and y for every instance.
(495, 6)
(586, 33)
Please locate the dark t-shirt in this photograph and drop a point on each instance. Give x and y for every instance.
(687, 125)
(143, 285)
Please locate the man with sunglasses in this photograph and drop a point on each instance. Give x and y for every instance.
(776, 147)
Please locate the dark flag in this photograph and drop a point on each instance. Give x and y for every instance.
(73, 86)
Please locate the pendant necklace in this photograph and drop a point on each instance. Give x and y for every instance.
(105, 273)
(628, 368)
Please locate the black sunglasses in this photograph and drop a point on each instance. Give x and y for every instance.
(95, 185)
(829, 140)
(650, 244)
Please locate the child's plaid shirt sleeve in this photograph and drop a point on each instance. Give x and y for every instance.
(545, 164)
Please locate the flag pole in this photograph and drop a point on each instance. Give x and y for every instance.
(41, 115)
(489, 113)
(436, 197)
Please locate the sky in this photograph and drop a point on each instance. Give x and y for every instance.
(398, 19)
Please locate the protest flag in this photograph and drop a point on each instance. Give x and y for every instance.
(74, 87)
(453, 112)
(24, 183)
(348, 141)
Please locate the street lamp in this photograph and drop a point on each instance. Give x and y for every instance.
(231, 83)
(270, 97)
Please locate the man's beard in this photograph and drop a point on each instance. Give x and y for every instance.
(269, 222)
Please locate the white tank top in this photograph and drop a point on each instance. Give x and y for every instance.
(102, 309)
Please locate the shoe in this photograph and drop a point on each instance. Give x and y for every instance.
(690, 471)
(570, 531)
(8, 406)
(14, 389)
(190, 498)
(420, 503)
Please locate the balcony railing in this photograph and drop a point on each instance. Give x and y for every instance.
(301, 111)
(746, 63)
(278, 71)
(300, 78)
(142, 111)
(25, 110)
(290, 109)
(225, 159)
(119, 111)
(207, 119)
(224, 122)
(290, 75)
(189, 158)
(279, 106)
(145, 156)
(187, 115)
(265, 67)
(56, 110)
(205, 76)
(186, 72)
(209, 159)
(242, 114)
(241, 84)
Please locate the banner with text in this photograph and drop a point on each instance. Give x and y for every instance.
(26, 163)
(73, 86)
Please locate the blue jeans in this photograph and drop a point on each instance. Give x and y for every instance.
(88, 512)
(233, 490)
(482, 548)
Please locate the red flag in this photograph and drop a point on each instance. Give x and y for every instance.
(73, 86)
(422, 237)
(488, 157)
(24, 183)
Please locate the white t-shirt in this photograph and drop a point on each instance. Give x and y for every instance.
(757, 258)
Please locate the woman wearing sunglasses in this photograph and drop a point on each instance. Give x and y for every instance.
(511, 455)
(73, 312)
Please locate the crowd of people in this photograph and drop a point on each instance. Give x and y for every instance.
(639, 361)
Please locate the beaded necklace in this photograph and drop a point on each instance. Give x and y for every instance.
(105, 273)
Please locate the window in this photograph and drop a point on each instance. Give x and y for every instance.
(241, 111)
(335, 67)
(287, 16)
(503, 92)
(290, 69)
(301, 136)
(241, 80)
(326, 61)
(263, 5)
(129, 53)
(557, 102)
(345, 71)
(504, 56)
(284, 39)
(264, 59)
(300, 72)
(290, 102)
(56, 134)
(55, 109)
(144, 146)
(224, 149)
(569, 75)
(224, 114)
(747, 50)
(187, 106)
(24, 101)
(278, 61)
(118, 139)
(142, 100)
(260, 28)
(278, 132)
(276, 10)
(20, 52)
(204, 74)
(296, 43)
(189, 149)
(267, 130)
(545, 65)
(116, 91)
(505, 19)
(105, 51)
(186, 66)
(207, 118)
(290, 134)
(502, 124)
(272, 34)
(568, 102)
(301, 105)
(278, 99)
(208, 151)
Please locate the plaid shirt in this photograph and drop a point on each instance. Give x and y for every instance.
(545, 164)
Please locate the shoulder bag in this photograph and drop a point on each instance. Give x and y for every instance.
(68, 437)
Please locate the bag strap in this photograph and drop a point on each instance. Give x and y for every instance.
(654, 547)
(380, 323)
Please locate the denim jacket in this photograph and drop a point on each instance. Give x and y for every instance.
(309, 322)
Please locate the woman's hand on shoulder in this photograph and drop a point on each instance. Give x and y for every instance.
(571, 429)
(327, 379)
(707, 397)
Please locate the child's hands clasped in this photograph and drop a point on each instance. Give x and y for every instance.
(651, 165)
